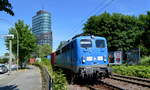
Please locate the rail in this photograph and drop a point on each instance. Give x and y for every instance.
(114, 87)
(134, 80)
(105, 84)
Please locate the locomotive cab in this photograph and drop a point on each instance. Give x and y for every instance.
(84, 56)
(92, 56)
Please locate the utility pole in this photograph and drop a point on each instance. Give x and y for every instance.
(17, 40)
(17, 50)
(10, 55)
(10, 37)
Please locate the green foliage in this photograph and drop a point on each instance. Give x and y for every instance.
(123, 32)
(143, 49)
(145, 37)
(145, 60)
(27, 41)
(4, 60)
(60, 82)
(6, 6)
(6, 54)
(61, 44)
(59, 79)
(43, 50)
(138, 71)
(45, 61)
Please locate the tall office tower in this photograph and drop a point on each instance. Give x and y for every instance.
(41, 27)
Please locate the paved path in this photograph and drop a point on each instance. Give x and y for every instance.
(3, 75)
(29, 79)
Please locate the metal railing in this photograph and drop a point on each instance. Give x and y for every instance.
(47, 81)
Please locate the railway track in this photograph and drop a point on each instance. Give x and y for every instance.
(116, 82)
(134, 80)
(98, 85)
(106, 85)
(141, 82)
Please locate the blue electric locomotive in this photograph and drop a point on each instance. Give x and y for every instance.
(85, 56)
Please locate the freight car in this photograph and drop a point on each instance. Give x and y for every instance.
(84, 56)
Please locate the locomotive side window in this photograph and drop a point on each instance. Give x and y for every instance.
(100, 43)
(86, 43)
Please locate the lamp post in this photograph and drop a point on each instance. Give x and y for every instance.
(17, 41)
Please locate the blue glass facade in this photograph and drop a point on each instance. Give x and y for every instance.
(41, 27)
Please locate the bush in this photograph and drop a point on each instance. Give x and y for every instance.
(145, 60)
(59, 79)
(4, 60)
(138, 71)
(60, 82)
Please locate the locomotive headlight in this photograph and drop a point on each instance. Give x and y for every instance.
(100, 58)
(105, 58)
(83, 61)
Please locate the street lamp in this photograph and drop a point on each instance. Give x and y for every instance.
(17, 41)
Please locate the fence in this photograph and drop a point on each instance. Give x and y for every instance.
(47, 81)
(133, 56)
(129, 57)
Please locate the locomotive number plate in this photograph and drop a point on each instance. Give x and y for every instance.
(100, 57)
(89, 58)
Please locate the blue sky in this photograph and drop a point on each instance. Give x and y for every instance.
(68, 16)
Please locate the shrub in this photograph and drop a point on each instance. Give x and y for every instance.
(145, 60)
(138, 71)
(59, 79)
(4, 60)
(60, 82)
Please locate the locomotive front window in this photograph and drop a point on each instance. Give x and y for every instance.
(86, 43)
(100, 43)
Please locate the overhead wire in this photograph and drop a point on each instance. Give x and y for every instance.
(95, 9)
(105, 6)
(83, 20)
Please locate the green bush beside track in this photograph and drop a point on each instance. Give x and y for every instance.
(142, 70)
(59, 79)
(145, 60)
(138, 71)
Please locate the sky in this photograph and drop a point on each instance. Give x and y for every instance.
(67, 16)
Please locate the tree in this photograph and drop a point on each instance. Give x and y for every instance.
(61, 44)
(121, 31)
(27, 41)
(6, 54)
(43, 50)
(4, 60)
(145, 37)
(6, 6)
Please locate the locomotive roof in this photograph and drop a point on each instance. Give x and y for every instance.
(79, 35)
(82, 34)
